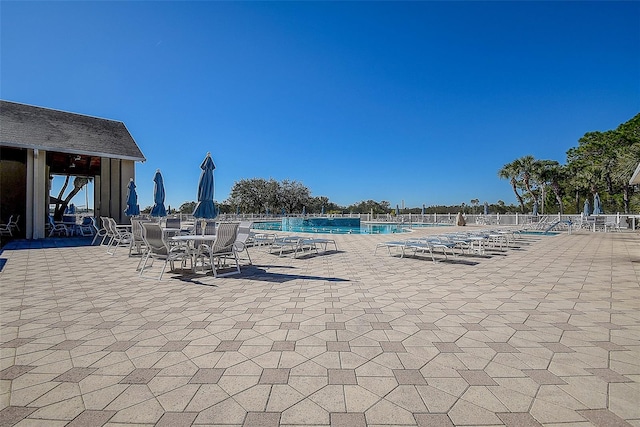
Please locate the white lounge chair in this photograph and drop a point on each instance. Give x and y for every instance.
(292, 243)
(398, 244)
(325, 242)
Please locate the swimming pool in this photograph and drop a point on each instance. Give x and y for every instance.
(363, 228)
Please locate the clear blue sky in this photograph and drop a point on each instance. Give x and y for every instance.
(414, 101)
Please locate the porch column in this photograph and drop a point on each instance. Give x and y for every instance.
(36, 194)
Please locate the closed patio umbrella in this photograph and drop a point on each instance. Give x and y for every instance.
(158, 208)
(535, 208)
(71, 209)
(587, 208)
(597, 206)
(486, 208)
(132, 200)
(205, 207)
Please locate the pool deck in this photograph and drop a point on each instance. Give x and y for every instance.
(544, 333)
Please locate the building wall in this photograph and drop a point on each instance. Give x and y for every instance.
(111, 188)
(13, 186)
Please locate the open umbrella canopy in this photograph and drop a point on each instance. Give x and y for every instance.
(132, 200)
(597, 206)
(158, 208)
(587, 208)
(205, 207)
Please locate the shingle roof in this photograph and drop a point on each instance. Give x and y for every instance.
(27, 126)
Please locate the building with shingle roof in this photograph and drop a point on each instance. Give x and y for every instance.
(37, 143)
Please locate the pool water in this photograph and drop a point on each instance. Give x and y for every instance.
(364, 228)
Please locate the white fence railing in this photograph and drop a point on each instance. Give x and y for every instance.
(446, 218)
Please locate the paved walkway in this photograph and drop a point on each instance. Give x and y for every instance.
(546, 333)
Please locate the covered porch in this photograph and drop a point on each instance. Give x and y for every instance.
(37, 143)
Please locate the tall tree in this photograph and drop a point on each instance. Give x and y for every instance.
(294, 196)
(78, 183)
(528, 169)
(605, 161)
(551, 173)
(475, 203)
(511, 171)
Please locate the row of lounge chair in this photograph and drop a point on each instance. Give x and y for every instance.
(450, 243)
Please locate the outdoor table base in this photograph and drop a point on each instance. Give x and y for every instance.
(191, 240)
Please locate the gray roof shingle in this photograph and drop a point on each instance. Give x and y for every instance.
(27, 126)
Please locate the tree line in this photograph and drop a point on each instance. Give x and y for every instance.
(602, 163)
(271, 197)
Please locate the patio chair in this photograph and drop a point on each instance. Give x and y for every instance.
(172, 223)
(56, 228)
(158, 248)
(85, 228)
(13, 223)
(221, 249)
(120, 236)
(101, 232)
(244, 233)
(5, 229)
(137, 241)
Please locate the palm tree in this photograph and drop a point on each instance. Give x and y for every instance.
(511, 171)
(528, 170)
(474, 203)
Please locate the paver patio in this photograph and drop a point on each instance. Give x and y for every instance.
(544, 333)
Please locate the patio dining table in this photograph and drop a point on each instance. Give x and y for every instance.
(191, 240)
